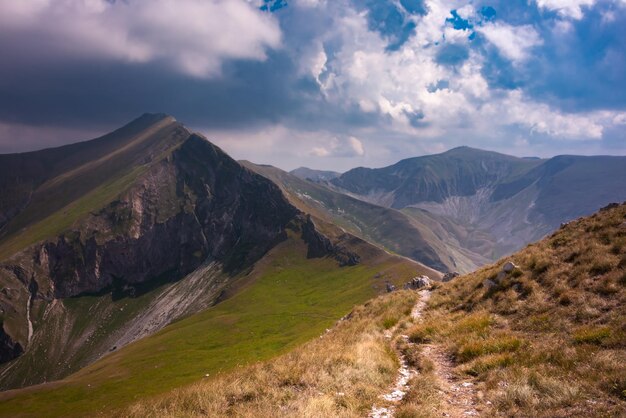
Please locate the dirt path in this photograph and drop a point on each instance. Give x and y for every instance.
(460, 395)
(401, 386)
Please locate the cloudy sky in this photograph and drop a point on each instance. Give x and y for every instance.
(328, 84)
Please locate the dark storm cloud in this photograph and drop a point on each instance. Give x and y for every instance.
(99, 92)
(41, 88)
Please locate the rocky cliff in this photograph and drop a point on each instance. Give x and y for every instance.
(171, 202)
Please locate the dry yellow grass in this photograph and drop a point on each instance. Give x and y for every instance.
(340, 374)
(549, 339)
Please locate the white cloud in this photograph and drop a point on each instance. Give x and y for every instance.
(193, 36)
(356, 146)
(566, 8)
(540, 118)
(514, 42)
(398, 85)
(340, 147)
(309, 3)
(320, 152)
(619, 119)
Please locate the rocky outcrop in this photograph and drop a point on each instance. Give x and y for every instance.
(418, 283)
(185, 207)
(320, 246)
(450, 276)
(197, 204)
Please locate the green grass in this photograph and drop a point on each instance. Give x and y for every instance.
(64, 199)
(293, 300)
(63, 219)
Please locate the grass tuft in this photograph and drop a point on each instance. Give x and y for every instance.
(591, 335)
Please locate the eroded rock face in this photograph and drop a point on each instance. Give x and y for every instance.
(189, 207)
(193, 206)
(320, 246)
(196, 205)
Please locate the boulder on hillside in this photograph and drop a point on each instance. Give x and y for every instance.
(390, 287)
(418, 282)
(449, 276)
(509, 266)
(489, 284)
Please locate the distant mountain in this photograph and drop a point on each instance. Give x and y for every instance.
(430, 239)
(107, 241)
(316, 175)
(515, 200)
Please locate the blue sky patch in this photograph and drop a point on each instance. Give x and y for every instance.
(273, 5)
(384, 17)
(416, 7)
(458, 22)
(488, 13)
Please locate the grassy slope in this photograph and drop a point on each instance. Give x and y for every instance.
(289, 299)
(550, 339)
(64, 199)
(63, 219)
(340, 374)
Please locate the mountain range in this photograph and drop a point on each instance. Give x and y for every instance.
(513, 201)
(148, 258)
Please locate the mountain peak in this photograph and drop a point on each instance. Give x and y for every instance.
(155, 116)
(312, 174)
(465, 150)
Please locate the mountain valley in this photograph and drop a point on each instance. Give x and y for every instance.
(150, 259)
